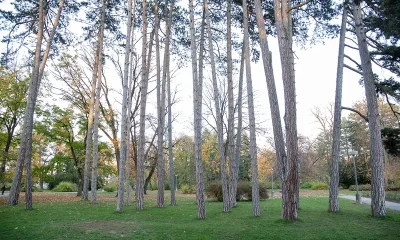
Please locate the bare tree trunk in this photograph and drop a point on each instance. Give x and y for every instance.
(334, 170)
(222, 160)
(290, 184)
(166, 73)
(253, 144)
(377, 176)
(124, 129)
(197, 101)
(273, 98)
(231, 111)
(26, 138)
(238, 144)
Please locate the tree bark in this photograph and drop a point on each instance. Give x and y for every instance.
(377, 167)
(26, 137)
(124, 129)
(197, 101)
(231, 111)
(252, 124)
(222, 160)
(334, 170)
(290, 185)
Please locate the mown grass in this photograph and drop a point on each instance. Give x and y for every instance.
(83, 220)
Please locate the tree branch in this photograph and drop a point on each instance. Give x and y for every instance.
(298, 6)
(354, 61)
(353, 69)
(353, 110)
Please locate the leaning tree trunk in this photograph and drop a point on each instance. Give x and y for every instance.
(252, 123)
(225, 194)
(197, 101)
(124, 129)
(289, 175)
(334, 170)
(26, 138)
(231, 111)
(166, 73)
(377, 176)
(273, 98)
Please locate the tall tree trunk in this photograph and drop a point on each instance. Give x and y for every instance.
(334, 170)
(160, 111)
(97, 107)
(377, 176)
(273, 98)
(197, 106)
(89, 138)
(253, 144)
(26, 138)
(231, 111)
(290, 185)
(124, 130)
(225, 194)
(166, 73)
(238, 143)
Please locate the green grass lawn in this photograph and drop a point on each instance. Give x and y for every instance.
(82, 220)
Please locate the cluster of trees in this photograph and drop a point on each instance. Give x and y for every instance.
(70, 134)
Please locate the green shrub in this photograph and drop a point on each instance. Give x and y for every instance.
(34, 189)
(244, 191)
(361, 187)
(319, 186)
(306, 185)
(167, 186)
(66, 187)
(187, 189)
(111, 187)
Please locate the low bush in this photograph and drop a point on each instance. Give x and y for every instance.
(34, 189)
(319, 186)
(66, 187)
(361, 187)
(167, 186)
(111, 187)
(244, 191)
(306, 185)
(187, 189)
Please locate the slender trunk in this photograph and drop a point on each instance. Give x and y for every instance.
(238, 144)
(231, 111)
(26, 138)
(160, 118)
(334, 170)
(148, 178)
(225, 194)
(289, 173)
(121, 175)
(377, 167)
(166, 73)
(97, 108)
(89, 138)
(197, 100)
(253, 144)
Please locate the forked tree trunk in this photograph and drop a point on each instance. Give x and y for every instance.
(252, 123)
(197, 101)
(166, 73)
(377, 168)
(334, 170)
(289, 175)
(231, 111)
(124, 129)
(225, 194)
(26, 137)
